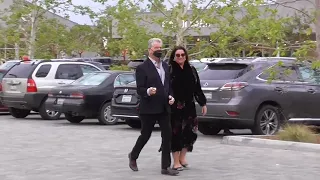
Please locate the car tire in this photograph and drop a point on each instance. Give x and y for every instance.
(48, 115)
(270, 117)
(135, 124)
(73, 119)
(208, 128)
(105, 117)
(19, 113)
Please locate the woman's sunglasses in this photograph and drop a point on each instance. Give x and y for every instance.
(180, 55)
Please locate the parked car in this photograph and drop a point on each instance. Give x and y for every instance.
(3, 108)
(125, 104)
(26, 85)
(134, 63)
(90, 96)
(105, 61)
(240, 97)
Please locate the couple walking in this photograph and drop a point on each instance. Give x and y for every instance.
(167, 94)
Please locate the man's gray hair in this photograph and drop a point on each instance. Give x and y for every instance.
(152, 40)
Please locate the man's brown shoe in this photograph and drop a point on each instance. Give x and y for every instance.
(169, 172)
(132, 163)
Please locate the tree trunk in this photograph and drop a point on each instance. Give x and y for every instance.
(179, 39)
(32, 40)
(318, 27)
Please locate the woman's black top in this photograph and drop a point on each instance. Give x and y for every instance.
(186, 84)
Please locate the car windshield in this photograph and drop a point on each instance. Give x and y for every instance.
(2, 74)
(92, 79)
(133, 83)
(198, 65)
(22, 70)
(222, 71)
(7, 65)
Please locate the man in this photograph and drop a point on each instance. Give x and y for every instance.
(153, 87)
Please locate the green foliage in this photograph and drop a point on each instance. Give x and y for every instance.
(52, 38)
(120, 68)
(297, 133)
(83, 38)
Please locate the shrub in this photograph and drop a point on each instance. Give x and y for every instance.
(298, 133)
(120, 68)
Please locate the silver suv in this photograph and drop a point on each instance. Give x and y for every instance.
(26, 85)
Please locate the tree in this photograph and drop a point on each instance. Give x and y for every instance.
(125, 25)
(23, 21)
(52, 39)
(181, 20)
(83, 38)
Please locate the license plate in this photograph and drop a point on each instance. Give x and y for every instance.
(60, 101)
(126, 98)
(13, 88)
(208, 95)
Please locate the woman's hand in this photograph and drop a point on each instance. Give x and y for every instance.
(204, 110)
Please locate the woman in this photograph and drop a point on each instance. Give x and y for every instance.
(186, 87)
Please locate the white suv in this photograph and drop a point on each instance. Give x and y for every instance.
(26, 85)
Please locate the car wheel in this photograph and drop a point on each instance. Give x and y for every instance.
(135, 124)
(208, 128)
(105, 117)
(267, 121)
(19, 113)
(73, 119)
(47, 114)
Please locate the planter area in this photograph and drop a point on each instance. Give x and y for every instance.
(293, 137)
(316, 138)
(271, 142)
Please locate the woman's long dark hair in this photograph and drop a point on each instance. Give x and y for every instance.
(173, 54)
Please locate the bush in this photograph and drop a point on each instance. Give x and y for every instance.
(298, 133)
(120, 68)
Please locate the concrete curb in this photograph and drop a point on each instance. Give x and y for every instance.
(250, 141)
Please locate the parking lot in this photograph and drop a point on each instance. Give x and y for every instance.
(35, 149)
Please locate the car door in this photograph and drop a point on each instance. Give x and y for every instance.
(288, 90)
(311, 91)
(67, 73)
(41, 76)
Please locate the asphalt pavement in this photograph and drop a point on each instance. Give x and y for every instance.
(35, 149)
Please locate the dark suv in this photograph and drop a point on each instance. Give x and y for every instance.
(241, 95)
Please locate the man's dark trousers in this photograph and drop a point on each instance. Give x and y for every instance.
(148, 121)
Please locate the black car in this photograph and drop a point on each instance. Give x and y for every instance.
(125, 104)
(90, 96)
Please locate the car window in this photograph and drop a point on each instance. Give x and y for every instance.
(310, 75)
(69, 71)
(88, 69)
(7, 65)
(92, 79)
(22, 70)
(198, 65)
(104, 61)
(43, 71)
(222, 71)
(124, 79)
(281, 73)
(1, 75)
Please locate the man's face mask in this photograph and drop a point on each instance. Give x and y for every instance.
(157, 53)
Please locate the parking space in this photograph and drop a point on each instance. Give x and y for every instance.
(35, 149)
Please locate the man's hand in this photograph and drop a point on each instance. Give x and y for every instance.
(204, 110)
(171, 100)
(152, 91)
